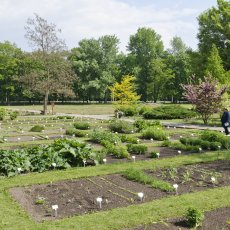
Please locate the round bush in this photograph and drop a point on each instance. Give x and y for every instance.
(37, 128)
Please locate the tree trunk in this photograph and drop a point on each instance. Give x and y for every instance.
(45, 105)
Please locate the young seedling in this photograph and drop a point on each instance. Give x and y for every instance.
(99, 201)
(55, 208)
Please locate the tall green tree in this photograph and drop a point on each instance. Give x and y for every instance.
(10, 57)
(214, 66)
(160, 76)
(145, 46)
(54, 74)
(178, 60)
(95, 62)
(214, 26)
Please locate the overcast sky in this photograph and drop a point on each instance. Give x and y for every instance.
(79, 19)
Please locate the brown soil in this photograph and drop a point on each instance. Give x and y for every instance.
(77, 197)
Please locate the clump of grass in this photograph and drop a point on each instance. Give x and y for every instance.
(142, 177)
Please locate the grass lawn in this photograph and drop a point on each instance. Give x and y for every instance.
(91, 109)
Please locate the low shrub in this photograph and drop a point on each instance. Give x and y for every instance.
(116, 150)
(137, 149)
(64, 117)
(194, 217)
(128, 110)
(81, 125)
(13, 115)
(141, 124)
(37, 128)
(144, 109)
(2, 114)
(75, 132)
(129, 139)
(155, 133)
(169, 112)
(98, 136)
(121, 126)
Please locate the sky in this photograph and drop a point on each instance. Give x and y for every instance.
(86, 19)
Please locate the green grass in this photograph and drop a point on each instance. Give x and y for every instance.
(71, 109)
(13, 217)
(142, 177)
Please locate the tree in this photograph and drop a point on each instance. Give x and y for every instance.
(95, 63)
(214, 29)
(53, 74)
(10, 57)
(145, 46)
(124, 93)
(214, 66)
(160, 76)
(206, 97)
(178, 60)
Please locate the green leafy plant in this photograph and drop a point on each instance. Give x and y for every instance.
(2, 114)
(137, 149)
(37, 128)
(121, 126)
(194, 217)
(100, 136)
(81, 125)
(155, 133)
(13, 115)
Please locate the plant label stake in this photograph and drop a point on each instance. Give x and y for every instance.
(55, 208)
(134, 158)
(99, 201)
(213, 180)
(179, 152)
(54, 165)
(33, 138)
(158, 155)
(151, 139)
(84, 162)
(105, 160)
(140, 195)
(200, 150)
(175, 186)
(19, 170)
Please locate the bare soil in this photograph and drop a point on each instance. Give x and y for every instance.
(78, 197)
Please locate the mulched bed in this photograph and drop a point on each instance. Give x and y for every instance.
(77, 197)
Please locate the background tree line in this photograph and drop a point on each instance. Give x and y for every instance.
(87, 72)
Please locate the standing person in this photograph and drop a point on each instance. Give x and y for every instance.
(225, 120)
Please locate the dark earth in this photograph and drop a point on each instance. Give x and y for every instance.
(78, 197)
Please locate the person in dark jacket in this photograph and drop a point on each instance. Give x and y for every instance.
(225, 120)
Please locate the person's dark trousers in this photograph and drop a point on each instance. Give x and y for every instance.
(226, 130)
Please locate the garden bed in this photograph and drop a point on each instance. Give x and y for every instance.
(77, 197)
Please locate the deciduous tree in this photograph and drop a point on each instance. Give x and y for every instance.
(206, 97)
